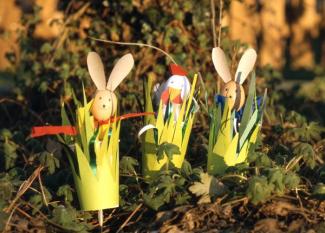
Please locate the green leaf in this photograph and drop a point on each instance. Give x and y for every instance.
(208, 187)
(291, 180)
(167, 184)
(167, 148)
(276, 178)
(258, 189)
(6, 188)
(154, 203)
(46, 48)
(307, 152)
(49, 161)
(128, 164)
(10, 155)
(38, 201)
(66, 192)
(186, 168)
(66, 217)
(260, 159)
(309, 132)
(182, 199)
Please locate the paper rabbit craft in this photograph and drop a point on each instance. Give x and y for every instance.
(105, 101)
(104, 104)
(173, 92)
(233, 89)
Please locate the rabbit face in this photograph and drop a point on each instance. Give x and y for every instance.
(235, 94)
(233, 89)
(105, 102)
(104, 105)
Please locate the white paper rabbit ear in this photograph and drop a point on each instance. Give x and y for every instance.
(220, 64)
(246, 65)
(121, 69)
(96, 70)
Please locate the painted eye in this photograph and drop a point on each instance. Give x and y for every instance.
(100, 97)
(226, 89)
(109, 100)
(230, 96)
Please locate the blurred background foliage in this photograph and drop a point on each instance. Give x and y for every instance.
(43, 49)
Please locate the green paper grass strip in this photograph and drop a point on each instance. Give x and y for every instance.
(97, 184)
(166, 132)
(226, 147)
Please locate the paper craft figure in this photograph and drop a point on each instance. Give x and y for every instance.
(233, 135)
(174, 98)
(92, 141)
(233, 89)
(173, 92)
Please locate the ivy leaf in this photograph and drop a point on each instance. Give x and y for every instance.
(167, 148)
(306, 150)
(309, 132)
(291, 180)
(276, 178)
(186, 168)
(154, 203)
(168, 186)
(38, 201)
(260, 159)
(258, 189)
(8, 148)
(66, 217)
(208, 187)
(128, 164)
(182, 199)
(6, 188)
(66, 192)
(49, 161)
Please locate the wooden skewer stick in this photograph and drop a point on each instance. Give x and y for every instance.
(100, 218)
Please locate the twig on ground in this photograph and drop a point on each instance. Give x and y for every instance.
(129, 218)
(9, 218)
(42, 189)
(24, 187)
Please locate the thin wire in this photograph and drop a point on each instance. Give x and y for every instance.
(213, 23)
(135, 44)
(220, 25)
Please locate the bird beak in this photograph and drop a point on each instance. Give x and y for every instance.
(174, 92)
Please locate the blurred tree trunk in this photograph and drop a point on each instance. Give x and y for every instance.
(48, 28)
(10, 15)
(274, 32)
(243, 21)
(304, 28)
(9, 22)
(322, 33)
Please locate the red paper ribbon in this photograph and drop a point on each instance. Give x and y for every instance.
(39, 131)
